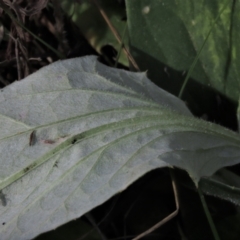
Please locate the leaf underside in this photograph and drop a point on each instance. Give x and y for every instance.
(77, 132)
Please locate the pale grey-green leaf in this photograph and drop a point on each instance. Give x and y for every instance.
(77, 132)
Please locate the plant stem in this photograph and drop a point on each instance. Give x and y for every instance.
(121, 46)
(208, 215)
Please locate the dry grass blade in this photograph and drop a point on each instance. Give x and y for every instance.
(17, 57)
(2, 5)
(116, 34)
(169, 217)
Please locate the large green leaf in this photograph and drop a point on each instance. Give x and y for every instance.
(77, 132)
(165, 37)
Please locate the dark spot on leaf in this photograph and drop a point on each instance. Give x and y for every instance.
(74, 140)
(3, 223)
(81, 136)
(56, 164)
(32, 138)
(28, 168)
(3, 199)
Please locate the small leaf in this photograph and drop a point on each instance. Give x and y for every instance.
(77, 132)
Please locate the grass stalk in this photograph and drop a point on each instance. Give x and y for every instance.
(208, 215)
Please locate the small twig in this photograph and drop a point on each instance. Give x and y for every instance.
(92, 221)
(116, 34)
(17, 56)
(169, 217)
(35, 59)
(128, 212)
(104, 218)
(3, 6)
(17, 59)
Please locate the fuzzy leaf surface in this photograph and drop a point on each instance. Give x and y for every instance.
(77, 132)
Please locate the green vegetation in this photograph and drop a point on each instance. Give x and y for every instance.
(116, 125)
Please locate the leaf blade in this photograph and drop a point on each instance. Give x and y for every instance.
(94, 135)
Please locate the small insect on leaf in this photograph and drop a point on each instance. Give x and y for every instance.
(32, 138)
(3, 199)
(56, 164)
